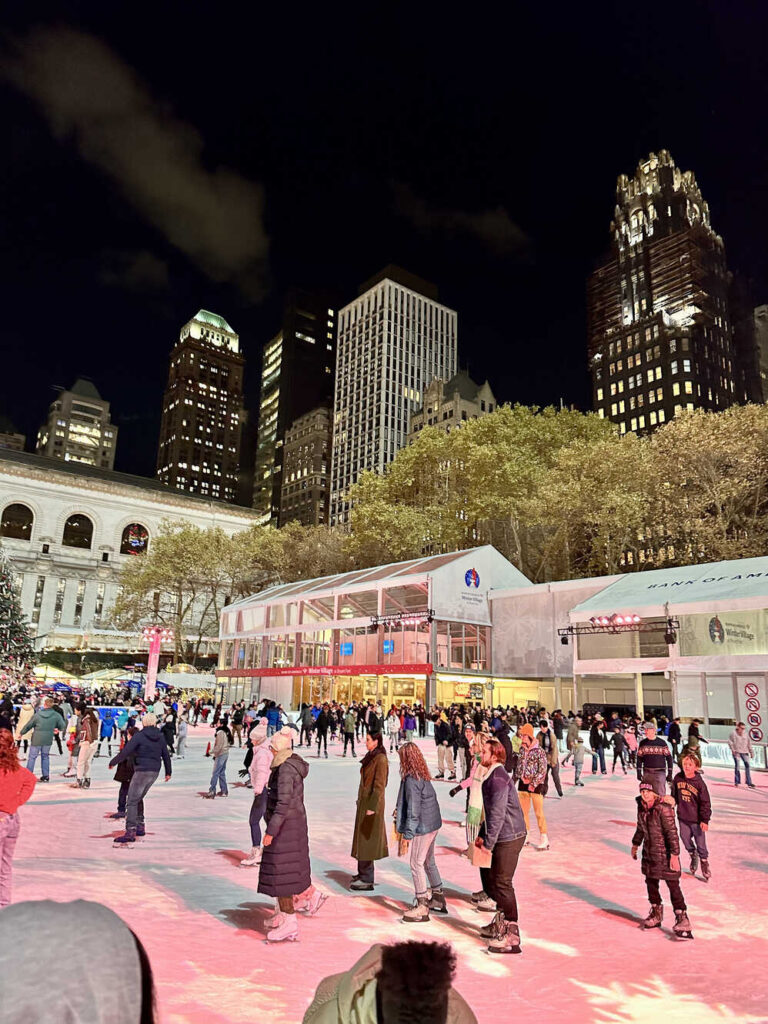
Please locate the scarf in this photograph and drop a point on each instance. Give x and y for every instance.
(281, 757)
(475, 813)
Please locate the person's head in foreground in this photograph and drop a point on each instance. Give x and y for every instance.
(105, 977)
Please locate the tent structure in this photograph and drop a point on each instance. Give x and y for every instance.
(44, 673)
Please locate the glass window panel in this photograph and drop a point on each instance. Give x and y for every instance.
(409, 598)
(358, 605)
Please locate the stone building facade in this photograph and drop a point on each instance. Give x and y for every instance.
(306, 469)
(448, 404)
(69, 528)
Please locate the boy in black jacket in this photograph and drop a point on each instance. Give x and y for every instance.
(694, 809)
(657, 834)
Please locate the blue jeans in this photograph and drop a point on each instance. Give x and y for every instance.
(694, 838)
(600, 752)
(258, 810)
(32, 759)
(736, 773)
(138, 789)
(219, 774)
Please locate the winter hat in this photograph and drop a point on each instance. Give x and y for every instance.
(645, 785)
(526, 730)
(282, 740)
(260, 730)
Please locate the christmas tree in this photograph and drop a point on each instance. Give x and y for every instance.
(17, 653)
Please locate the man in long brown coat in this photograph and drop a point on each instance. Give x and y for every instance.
(369, 842)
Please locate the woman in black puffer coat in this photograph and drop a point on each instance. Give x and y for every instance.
(285, 870)
(656, 832)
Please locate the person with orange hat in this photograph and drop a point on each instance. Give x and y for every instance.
(532, 775)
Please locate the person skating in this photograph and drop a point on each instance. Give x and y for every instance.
(42, 725)
(16, 787)
(350, 719)
(503, 834)
(654, 760)
(619, 746)
(259, 769)
(548, 743)
(657, 834)
(181, 736)
(25, 715)
(123, 775)
(392, 728)
(741, 748)
(418, 820)
(285, 869)
(106, 730)
(674, 736)
(149, 750)
(578, 760)
(168, 729)
(369, 842)
(532, 775)
(89, 731)
(694, 811)
(321, 727)
(596, 746)
(572, 736)
(220, 754)
(444, 749)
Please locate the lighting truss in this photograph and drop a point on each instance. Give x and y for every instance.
(621, 624)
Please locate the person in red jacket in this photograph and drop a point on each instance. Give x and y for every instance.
(16, 787)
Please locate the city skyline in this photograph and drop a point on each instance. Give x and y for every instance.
(333, 182)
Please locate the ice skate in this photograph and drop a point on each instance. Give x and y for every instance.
(286, 931)
(437, 902)
(274, 920)
(452, 777)
(418, 913)
(311, 905)
(508, 941)
(694, 862)
(117, 815)
(544, 844)
(140, 831)
(477, 896)
(682, 926)
(494, 928)
(440, 775)
(358, 885)
(125, 838)
(253, 860)
(655, 917)
(705, 872)
(486, 904)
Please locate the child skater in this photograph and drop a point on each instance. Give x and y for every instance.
(694, 809)
(657, 834)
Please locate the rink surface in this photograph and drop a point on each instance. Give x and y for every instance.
(584, 957)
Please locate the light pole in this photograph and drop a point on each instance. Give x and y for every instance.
(156, 636)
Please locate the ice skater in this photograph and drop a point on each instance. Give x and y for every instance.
(149, 750)
(694, 810)
(123, 775)
(259, 769)
(418, 821)
(657, 834)
(220, 754)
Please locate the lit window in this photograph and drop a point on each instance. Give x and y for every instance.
(675, 389)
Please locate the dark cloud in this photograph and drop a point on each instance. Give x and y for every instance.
(139, 271)
(494, 228)
(92, 97)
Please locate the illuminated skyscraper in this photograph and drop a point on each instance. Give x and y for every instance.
(296, 377)
(79, 428)
(660, 333)
(200, 431)
(394, 339)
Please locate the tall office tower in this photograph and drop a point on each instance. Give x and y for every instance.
(202, 419)
(296, 377)
(660, 335)
(306, 469)
(394, 339)
(78, 428)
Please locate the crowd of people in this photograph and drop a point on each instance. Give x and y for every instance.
(501, 761)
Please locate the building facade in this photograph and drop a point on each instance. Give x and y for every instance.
(448, 404)
(296, 377)
(79, 428)
(394, 339)
(660, 338)
(306, 469)
(201, 425)
(68, 529)
(761, 333)
(9, 438)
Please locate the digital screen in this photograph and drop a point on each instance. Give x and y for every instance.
(389, 646)
(346, 648)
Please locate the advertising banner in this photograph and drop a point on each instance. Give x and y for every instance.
(724, 633)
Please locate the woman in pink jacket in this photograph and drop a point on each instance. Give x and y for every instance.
(259, 770)
(16, 786)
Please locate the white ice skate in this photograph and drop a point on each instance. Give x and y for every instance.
(254, 859)
(544, 844)
(286, 931)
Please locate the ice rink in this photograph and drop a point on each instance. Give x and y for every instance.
(584, 956)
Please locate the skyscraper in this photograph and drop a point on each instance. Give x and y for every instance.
(202, 418)
(394, 338)
(296, 377)
(79, 428)
(306, 469)
(660, 333)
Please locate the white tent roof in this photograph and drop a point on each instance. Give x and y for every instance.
(719, 586)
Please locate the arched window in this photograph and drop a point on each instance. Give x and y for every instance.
(135, 540)
(78, 532)
(17, 522)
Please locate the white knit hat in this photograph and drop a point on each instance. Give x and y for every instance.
(259, 731)
(282, 740)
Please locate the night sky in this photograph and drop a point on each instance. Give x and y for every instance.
(161, 158)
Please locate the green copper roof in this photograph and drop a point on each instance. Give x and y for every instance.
(214, 320)
(85, 388)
